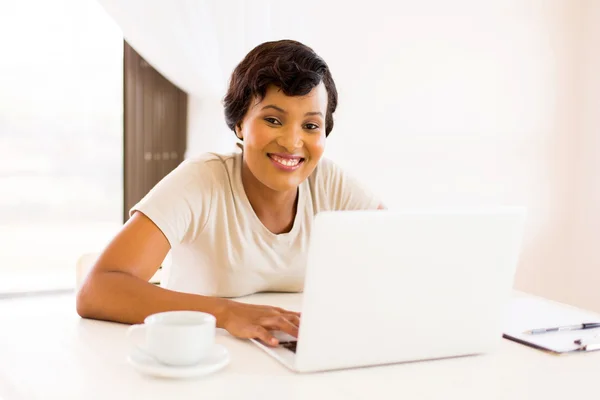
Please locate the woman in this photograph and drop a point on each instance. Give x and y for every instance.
(238, 223)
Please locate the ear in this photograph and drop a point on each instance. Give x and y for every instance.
(238, 131)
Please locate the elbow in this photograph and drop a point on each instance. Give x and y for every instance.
(84, 300)
(82, 304)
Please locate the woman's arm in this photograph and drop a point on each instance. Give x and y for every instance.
(117, 288)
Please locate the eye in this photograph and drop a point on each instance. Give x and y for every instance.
(311, 127)
(273, 121)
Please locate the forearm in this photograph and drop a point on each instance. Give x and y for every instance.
(120, 297)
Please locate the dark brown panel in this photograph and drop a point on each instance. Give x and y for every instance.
(155, 127)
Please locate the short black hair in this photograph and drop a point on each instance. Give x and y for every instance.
(290, 65)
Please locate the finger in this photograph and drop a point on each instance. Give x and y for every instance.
(293, 318)
(250, 331)
(282, 311)
(280, 323)
(264, 335)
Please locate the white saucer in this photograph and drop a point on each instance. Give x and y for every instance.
(218, 359)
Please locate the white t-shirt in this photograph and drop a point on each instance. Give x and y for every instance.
(219, 247)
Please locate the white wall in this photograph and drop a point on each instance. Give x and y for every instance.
(582, 273)
(207, 130)
(464, 103)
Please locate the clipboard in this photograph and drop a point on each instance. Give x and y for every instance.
(527, 312)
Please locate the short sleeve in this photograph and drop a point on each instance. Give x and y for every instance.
(179, 204)
(341, 190)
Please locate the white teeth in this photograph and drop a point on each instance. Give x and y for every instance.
(286, 161)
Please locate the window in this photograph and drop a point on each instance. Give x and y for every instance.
(61, 139)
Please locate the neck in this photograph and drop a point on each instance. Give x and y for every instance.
(276, 210)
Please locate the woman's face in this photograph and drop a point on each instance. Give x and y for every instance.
(284, 137)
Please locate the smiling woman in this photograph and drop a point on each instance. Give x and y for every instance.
(283, 143)
(235, 223)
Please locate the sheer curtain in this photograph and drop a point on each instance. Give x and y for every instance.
(178, 38)
(195, 44)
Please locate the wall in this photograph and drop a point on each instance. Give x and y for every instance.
(583, 270)
(464, 103)
(207, 128)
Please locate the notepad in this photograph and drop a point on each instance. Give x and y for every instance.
(530, 312)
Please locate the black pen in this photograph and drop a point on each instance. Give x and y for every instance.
(578, 327)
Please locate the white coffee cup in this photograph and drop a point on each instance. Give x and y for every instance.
(177, 338)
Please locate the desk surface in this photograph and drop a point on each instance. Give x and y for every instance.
(48, 352)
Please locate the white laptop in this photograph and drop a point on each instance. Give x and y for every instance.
(386, 287)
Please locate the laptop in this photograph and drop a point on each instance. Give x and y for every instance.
(386, 287)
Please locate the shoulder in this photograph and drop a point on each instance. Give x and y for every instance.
(198, 176)
(208, 162)
(330, 176)
(324, 182)
(181, 202)
(334, 188)
(325, 170)
(206, 167)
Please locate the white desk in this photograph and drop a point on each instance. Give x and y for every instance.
(48, 352)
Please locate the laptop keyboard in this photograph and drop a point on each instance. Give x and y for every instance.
(291, 346)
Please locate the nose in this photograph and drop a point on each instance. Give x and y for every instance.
(291, 139)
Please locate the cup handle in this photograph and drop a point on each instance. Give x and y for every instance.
(133, 335)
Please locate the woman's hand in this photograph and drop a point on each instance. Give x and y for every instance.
(250, 321)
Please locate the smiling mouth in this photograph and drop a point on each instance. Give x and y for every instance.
(289, 163)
